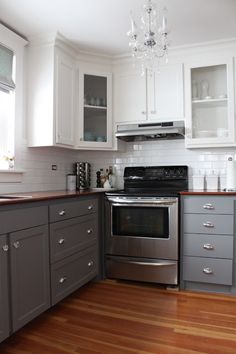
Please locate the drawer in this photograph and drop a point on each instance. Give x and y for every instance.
(214, 246)
(67, 210)
(208, 270)
(73, 272)
(208, 205)
(208, 224)
(70, 236)
(25, 218)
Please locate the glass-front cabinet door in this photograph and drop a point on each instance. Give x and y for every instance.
(95, 111)
(210, 104)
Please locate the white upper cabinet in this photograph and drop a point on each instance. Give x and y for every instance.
(95, 110)
(210, 103)
(65, 87)
(155, 96)
(51, 95)
(165, 93)
(130, 103)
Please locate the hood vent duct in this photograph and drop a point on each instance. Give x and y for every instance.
(150, 131)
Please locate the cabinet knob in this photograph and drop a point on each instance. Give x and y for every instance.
(90, 263)
(90, 207)
(16, 244)
(89, 231)
(62, 212)
(144, 112)
(62, 280)
(5, 248)
(208, 206)
(153, 112)
(208, 224)
(207, 270)
(208, 246)
(61, 241)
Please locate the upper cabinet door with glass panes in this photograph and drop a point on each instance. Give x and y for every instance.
(95, 110)
(210, 103)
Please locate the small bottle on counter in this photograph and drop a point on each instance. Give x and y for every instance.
(111, 177)
(102, 177)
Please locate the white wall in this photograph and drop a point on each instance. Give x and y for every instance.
(38, 176)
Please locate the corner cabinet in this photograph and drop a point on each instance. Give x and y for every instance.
(210, 113)
(154, 96)
(51, 95)
(95, 110)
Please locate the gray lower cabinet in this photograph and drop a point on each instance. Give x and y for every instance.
(207, 243)
(24, 266)
(30, 281)
(4, 293)
(73, 245)
(47, 251)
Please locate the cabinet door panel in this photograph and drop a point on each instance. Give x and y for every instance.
(130, 97)
(165, 93)
(4, 294)
(29, 274)
(73, 272)
(65, 98)
(70, 236)
(209, 224)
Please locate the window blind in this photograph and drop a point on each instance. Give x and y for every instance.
(6, 66)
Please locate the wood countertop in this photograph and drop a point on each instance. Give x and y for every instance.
(201, 192)
(16, 198)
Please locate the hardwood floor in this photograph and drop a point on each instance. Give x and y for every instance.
(118, 318)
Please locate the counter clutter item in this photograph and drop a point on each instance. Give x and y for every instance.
(230, 174)
(71, 182)
(212, 181)
(199, 182)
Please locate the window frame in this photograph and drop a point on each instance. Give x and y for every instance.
(16, 43)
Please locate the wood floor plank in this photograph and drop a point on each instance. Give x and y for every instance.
(112, 317)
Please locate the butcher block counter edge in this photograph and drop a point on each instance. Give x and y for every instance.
(29, 197)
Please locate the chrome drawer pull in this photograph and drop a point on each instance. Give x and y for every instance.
(5, 248)
(208, 224)
(208, 206)
(62, 212)
(89, 231)
(90, 207)
(16, 244)
(208, 246)
(207, 270)
(62, 280)
(61, 241)
(90, 263)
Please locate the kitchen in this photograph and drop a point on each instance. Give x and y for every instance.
(42, 161)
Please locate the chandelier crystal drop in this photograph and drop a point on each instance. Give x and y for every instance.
(149, 42)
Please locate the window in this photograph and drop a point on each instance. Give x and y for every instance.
(11, 94)
(7, 107)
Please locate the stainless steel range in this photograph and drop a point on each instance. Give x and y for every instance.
(142, 225)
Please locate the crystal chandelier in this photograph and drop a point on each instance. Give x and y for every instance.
(149, 42)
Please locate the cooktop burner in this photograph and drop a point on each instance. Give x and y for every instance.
(163, 181)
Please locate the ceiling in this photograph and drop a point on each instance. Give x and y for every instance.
(101, 25)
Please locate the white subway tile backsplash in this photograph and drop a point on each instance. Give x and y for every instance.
(39, 176)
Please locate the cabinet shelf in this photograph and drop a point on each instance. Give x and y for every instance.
(104, 108)
(211, 102)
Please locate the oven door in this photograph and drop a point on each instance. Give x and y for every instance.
(146, 228)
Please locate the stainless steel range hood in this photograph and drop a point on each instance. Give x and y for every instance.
(150, 131)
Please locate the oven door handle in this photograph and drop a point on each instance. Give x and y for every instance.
(142, 203)
(158, 264)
